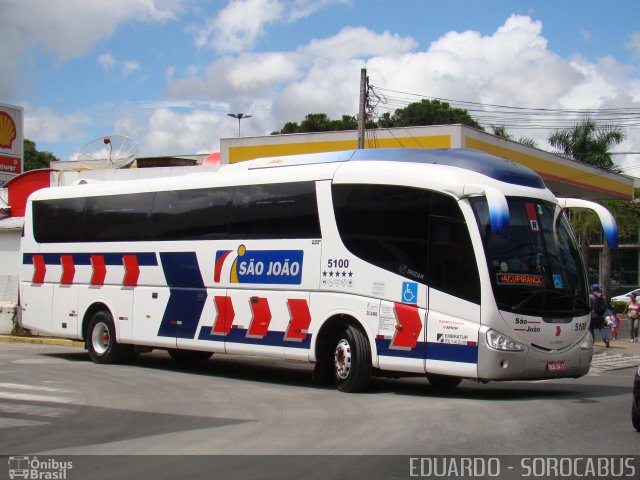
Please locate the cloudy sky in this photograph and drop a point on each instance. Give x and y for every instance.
(167, 72)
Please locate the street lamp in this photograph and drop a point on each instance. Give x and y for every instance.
(239, 116)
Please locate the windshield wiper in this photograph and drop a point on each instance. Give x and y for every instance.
(533, 295)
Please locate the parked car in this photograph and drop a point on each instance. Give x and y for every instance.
(619, 302)
(635, 406)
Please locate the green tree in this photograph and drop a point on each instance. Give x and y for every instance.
(319, 122)
(428, 112)
(34, 159)
(588, 143)
(425, 112)
(501, 131)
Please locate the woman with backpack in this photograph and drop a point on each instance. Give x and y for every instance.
(598, 309)
(633, 312)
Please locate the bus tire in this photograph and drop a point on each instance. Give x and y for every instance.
(101, 339)
(351, 360)
(188, 356)
(443, 381)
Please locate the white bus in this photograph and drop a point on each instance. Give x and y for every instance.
(446, 263)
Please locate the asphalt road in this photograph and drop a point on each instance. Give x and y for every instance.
(55, 401)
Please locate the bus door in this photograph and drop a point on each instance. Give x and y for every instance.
(207, 321)
(401, 339)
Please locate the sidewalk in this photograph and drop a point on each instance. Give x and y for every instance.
(622, 345)
(41, 340)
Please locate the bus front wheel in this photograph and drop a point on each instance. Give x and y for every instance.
(351, 360)
(101, 339)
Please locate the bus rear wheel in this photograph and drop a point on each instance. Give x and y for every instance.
(101, 339)
(351, 360)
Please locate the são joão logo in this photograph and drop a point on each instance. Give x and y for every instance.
(273, 267)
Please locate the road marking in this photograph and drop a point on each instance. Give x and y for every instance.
(605, 361)
(17, 422)
(22, 386)
(29, 397)
(34, 410)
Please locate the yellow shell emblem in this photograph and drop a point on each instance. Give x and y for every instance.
(7, 130)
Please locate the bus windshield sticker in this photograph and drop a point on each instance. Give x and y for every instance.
(557, 281)
(519, 279)
(534, 225)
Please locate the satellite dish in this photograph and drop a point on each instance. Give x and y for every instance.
(113, 151)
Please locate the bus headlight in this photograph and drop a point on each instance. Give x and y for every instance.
(587, 342)
(501, 342)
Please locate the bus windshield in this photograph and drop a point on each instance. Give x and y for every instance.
(537, 269)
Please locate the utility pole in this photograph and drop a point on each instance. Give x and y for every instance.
(364, 87)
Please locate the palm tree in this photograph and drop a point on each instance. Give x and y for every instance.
(588, 143)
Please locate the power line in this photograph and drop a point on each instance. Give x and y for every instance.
(523, 118)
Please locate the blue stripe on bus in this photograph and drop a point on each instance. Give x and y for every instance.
(452, 353)
(239, 335)
(145, 259)
(434, 351)
(383, 347)
(187, 295)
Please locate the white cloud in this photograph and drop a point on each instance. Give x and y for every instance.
(129, 66)
(634, 44)
(106, 61)
(47, 125)
(109, 62)
(48, 25)
(513, 66)
(231, 77)
(237, 26)
(176, 133)
(359, 42)
(304, 8)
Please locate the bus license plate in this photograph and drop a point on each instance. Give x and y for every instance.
(556, 366)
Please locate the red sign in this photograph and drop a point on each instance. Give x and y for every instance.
(10, 164)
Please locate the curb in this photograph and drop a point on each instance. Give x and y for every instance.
(41, 341)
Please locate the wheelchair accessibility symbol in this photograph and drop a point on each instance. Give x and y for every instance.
(409, 292)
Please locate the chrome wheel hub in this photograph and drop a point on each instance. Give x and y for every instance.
(342, 359)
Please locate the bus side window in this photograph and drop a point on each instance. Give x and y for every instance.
(452, 262)
(385, 225)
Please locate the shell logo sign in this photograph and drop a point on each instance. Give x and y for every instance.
(11, 140)
(7, 130)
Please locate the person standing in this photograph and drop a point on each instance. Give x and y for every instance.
(633, 312)
(614, 323)
(598, 308)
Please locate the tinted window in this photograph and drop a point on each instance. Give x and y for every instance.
(287, 210)
(452, 262)
(283, 210)
(385, 225)
(117, 218)
(200, 214)
(412, 232)
(57, 221)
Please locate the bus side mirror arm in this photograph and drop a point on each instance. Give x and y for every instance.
(497, 204)
(606, 219)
